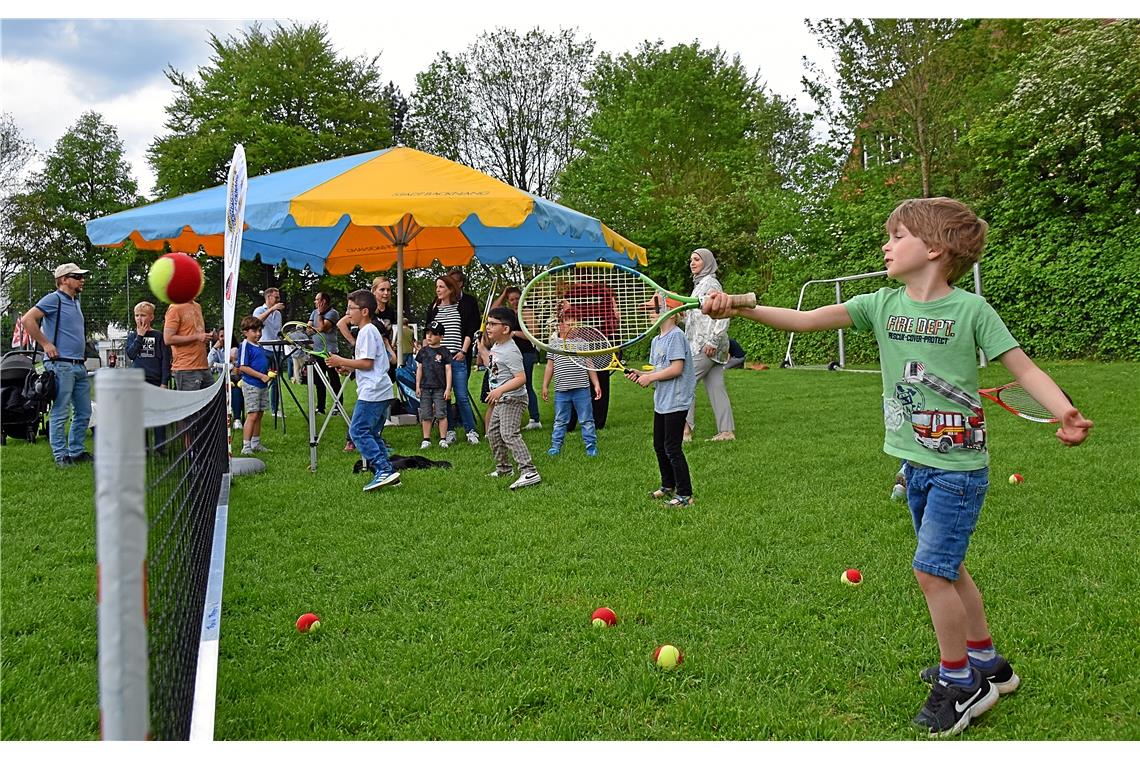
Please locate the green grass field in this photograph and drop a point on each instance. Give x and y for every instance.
(454, 609)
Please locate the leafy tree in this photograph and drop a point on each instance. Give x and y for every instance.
(1057, 167)
(513, 107)
(84, 176)
(284, 94)
(398, 113)
(290, 100)
(901, 88)
(685, 149)
(15, 153)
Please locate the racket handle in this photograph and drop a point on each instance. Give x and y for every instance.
(742, 301)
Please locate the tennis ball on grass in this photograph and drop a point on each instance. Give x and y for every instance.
(668, 657)
(851, 577)
(308, 623)
(603, 617)
(175, 278)
(1015, 479)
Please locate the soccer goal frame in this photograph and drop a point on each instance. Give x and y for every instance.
(837, 282)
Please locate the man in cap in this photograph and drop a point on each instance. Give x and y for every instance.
(64, 342)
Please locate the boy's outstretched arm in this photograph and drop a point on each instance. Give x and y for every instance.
(1074, 427)
(831, 317)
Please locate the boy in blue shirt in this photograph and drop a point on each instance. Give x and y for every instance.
(929, 333)
(253, 365)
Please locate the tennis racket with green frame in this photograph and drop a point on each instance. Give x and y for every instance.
(301, 335)
(621, 303)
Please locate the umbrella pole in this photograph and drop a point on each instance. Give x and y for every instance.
(398, 333)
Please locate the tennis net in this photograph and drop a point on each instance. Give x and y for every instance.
(162, 462)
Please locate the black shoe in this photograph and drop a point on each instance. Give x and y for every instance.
(998, 672)
(950, 707)
(65, 461)
(82, 457)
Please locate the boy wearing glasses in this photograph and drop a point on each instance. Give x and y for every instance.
(508, 397)
(62, 319)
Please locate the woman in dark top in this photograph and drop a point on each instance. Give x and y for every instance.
(459, 331)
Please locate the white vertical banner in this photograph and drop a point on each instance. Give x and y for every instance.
(235, 222)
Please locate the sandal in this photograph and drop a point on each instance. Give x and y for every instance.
(679, 502)
(661, 493)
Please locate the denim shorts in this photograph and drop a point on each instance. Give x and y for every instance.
(944, 506)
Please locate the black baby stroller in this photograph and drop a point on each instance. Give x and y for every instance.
(19, 417)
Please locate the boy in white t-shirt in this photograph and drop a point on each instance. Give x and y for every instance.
(373, 390)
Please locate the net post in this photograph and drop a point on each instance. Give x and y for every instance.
(121, 545)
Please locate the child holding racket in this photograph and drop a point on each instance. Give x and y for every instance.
(929, 333)
(673, 394)
(572, 391)
(373, 390)
(504, 361)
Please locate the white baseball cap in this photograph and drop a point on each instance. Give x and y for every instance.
(65, 269)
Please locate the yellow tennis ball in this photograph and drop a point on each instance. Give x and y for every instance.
(668, 657)
(316, 626)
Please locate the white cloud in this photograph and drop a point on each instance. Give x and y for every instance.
(45, 104)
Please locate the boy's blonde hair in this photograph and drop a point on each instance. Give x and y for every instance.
(145, 305)
(945, 225)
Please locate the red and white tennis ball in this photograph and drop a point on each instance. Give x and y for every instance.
(175, 278)
(668, 657)
(851, 577)
(1015, 479)
(308, 623)
(603, 617)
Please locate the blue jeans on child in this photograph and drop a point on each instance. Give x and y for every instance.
(580, 400)
(944, 506)
(73, 389)
(368, 418)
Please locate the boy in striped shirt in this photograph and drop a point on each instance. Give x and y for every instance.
(572, 385)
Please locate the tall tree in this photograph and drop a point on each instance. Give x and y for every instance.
(85, 176)
(896, 88)
(284, 94)
(15, 153)
(686, 149)
(512, 106)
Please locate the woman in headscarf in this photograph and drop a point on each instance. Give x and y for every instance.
(708, 342)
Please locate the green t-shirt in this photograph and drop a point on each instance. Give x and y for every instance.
(928, 352)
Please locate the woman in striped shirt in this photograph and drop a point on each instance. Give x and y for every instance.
(457, 337)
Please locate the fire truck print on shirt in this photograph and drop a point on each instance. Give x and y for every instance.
(937, 429)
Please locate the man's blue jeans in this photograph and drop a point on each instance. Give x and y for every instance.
(368, 418)
(73, 390)
(579, 400)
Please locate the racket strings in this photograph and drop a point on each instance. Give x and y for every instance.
(1018, 399)
(615, 303)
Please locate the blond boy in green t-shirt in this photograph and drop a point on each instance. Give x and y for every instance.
(929, 333)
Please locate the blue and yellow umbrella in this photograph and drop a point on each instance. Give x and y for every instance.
(374, 210)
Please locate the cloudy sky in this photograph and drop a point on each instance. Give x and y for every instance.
(54, 69)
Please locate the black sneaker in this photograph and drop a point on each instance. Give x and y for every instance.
(82, 457)
(65, 461)
(950, 707)
(998, 672)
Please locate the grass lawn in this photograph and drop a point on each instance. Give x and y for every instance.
(455, 609)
